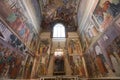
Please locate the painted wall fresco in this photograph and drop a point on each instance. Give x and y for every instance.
(44, 51)
(101, 19)
(34, 42)
(93, 29)
(27, 67)
(10, 38)
(113, 54)
(43, 66)
(11, 14)
(110, 42)
(104, 56)
(4, 32)
(10, 62)
(105, 12)
(77, 65)
(73, 46)
(44, 46)
(91, 65)
(13, 54)
(96, 64)
(14, 13)
(90, 32)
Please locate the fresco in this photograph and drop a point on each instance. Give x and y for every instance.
(10, 62)
(91, 65)
(113, 54)
(105, 12)
(28, 67)
(90, 32)
(13, 17)
(44, 46)
(77, 65)
(74, 46)
(95, 64)
(44, 51)
(4, 32)
(10, 38)
(34, 42)
(14, 13)
(58, 11)
(101, 61)
(83, 41)
(43, 65)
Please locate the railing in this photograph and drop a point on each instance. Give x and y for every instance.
(59, 78)
(73, 78)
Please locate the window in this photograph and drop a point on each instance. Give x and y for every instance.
(58, 52)
(59, 31)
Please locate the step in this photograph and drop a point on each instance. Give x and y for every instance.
(59, 73)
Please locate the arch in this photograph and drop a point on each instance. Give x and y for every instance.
(59, 31)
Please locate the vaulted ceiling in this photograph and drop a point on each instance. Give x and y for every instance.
(64, 11)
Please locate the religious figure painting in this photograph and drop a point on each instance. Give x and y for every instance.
(44, 46)
(91, 32)
(79, 65)
(113, 53)
(34, 42)
(10, 62)
(89, 65)
(74, 46)
(105, 12)
(14, 13)
(28, 67)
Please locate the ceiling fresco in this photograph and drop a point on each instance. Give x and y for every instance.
(64, 11)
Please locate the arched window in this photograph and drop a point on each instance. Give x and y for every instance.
(59, 31)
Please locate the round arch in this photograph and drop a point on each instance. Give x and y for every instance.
(59, 30)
